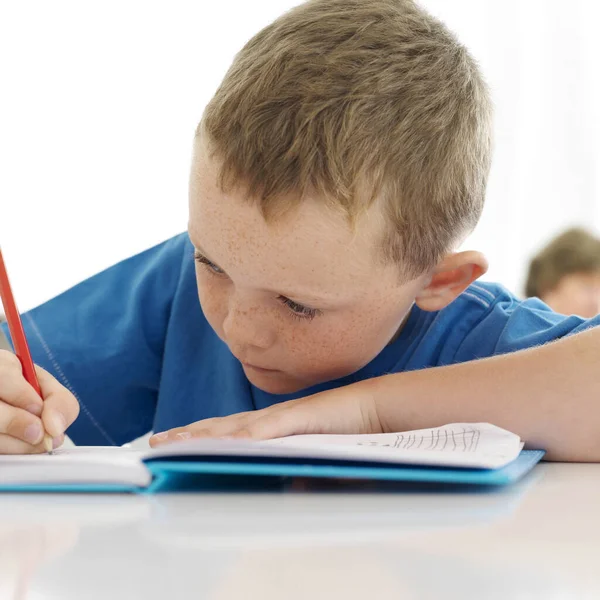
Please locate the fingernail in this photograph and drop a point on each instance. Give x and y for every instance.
(163, 435)
(33, 433)
(184, 435)
(35, 409)
(57, 423)
(57, 441)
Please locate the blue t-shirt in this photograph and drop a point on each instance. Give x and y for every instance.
(134, 347)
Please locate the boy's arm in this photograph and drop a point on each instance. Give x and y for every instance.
(548, 395)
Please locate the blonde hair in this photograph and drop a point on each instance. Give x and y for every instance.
(574, 251)
(359, 102)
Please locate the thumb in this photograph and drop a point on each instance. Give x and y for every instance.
(60, 405)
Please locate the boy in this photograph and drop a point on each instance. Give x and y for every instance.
(337, 168)
(566, 274)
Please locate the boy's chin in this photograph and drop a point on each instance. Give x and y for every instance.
(274, 382)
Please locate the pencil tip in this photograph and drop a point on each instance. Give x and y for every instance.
(48, 445)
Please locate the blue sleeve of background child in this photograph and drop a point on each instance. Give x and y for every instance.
(103, 339)
(510, 324)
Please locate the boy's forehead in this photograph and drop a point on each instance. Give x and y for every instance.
(312, 246)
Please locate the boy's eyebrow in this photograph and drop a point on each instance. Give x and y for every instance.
(309, 298)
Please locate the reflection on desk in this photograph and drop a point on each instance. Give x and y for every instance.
(537, 539)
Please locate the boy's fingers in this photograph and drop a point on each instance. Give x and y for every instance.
(14, 390)
(20, 424)
(208, 428)
(281, 421)
(21, 428)
(57, 442)
(268, 423)
(11, 445)
(60, 407)
(214, 427)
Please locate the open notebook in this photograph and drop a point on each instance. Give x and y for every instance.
(477, 453)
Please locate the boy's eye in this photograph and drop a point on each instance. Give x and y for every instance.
(299, 310)
(210, 265)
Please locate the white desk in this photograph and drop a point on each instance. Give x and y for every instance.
(539, 539)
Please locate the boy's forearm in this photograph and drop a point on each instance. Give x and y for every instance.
(549, 396)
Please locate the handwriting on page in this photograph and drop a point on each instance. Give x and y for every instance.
(480, 445)
(440, 440)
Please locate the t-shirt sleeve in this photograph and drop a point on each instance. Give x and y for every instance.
(103, 339)
(510, 324)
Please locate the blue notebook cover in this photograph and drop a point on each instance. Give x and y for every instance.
(173, 474)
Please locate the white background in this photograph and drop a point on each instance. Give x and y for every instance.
(99, 102)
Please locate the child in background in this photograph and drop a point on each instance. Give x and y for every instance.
(337, 169)
(566, 274)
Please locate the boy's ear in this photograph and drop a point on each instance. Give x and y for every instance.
(450, 278)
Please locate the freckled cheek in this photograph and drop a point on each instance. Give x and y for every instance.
(328, 351)
(213, 295)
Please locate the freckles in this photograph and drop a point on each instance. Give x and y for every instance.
(367, 331)
(233, 241)
(335, 348)
(211, 299)
(306, 347)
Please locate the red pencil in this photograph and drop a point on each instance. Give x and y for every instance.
(18, 338)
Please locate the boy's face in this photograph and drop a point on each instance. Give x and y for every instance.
(299, 301)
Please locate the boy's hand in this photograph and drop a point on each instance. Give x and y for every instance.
(344, 410)
(24, 417)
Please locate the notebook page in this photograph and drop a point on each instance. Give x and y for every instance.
(458, 444)
(82, 464)
(475, 445)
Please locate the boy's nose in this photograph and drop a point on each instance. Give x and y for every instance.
(246, 327)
